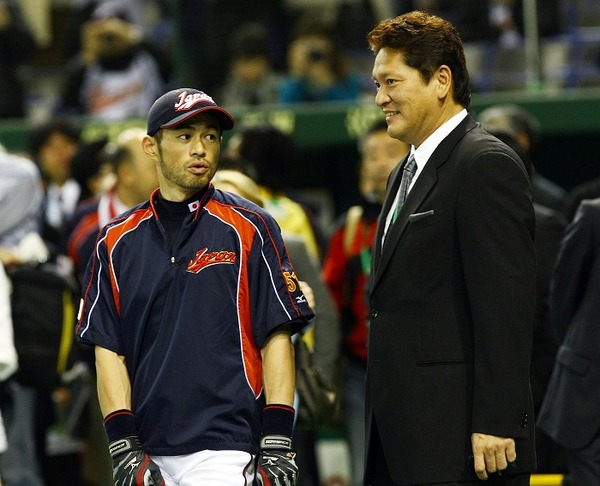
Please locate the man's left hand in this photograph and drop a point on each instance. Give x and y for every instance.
(492, 454)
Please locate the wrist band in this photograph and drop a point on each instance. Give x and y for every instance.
(276, 442)
(278, 420)
(119, 424)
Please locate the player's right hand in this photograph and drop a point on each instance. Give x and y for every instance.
(131, 465)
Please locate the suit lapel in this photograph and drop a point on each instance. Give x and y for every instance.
(394, 184)
(423, 186)
(420, 191)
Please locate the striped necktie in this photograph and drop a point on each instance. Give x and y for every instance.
(408, 172)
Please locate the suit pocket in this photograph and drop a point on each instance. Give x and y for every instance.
(444, 362)
(412, 218)
(572, 360)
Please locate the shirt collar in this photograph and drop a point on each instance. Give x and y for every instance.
(423, 153)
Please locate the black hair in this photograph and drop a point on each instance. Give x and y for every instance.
(40, 134)
(86, 162)
(250, 41)
(270, 152)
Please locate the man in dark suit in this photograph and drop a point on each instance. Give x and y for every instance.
(452, 290)
(570, 412)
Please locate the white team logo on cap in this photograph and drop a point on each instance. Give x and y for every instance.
(187, 101)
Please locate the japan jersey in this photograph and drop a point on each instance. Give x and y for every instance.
(191, 319)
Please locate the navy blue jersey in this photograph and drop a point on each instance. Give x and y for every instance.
(190, 320)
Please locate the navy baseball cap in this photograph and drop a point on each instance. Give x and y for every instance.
(179, 105)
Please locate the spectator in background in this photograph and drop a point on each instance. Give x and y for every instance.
(90, 169)
(52, 145)
(8, 353)
(346, 270)
(117, 74)
(527, 132)
(20, 204)
(268, 155)
(586, 190)
(16, 46)
(135, 179)
(20, 242)
(205, 26)
(570, 412)
(317, 70)
(252, 79)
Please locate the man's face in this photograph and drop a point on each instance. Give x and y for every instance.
(187, 157)
(412, 107)
(55, 157)
(380, 154)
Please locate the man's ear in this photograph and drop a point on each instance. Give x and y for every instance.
(150, 146)
(443, 76)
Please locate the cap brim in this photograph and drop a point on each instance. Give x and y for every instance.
(225, 119)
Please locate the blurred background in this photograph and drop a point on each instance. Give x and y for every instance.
(303, 66)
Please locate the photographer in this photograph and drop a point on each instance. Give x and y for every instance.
(17, 46)
(117, 74)
(316, 68)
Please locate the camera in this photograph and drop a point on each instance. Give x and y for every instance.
(108, 37)
(315, 54)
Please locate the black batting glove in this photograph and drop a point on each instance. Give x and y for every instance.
(276, 465)
(131, 465)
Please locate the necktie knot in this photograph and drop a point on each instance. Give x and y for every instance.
(411, 166)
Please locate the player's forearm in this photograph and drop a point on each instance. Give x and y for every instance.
(278, 368)
(114, 387)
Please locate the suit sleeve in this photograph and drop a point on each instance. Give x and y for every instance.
(571, 273)
(495, 225)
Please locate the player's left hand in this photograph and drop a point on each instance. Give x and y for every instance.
(492, 454)
(276, 468)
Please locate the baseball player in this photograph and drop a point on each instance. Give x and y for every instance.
(190, 300)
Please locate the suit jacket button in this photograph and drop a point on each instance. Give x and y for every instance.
(374, 313)
(524, 420)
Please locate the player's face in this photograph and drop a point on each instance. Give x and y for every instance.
(411, 106)
(186, 157)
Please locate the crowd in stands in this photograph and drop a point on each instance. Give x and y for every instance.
(115, 58)
(108, 59)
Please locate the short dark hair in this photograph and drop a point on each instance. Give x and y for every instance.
(378, 126)
(40, 134)
(118, 155)
(250, 41)
(270, 152)
(427, 42)
(518, 119)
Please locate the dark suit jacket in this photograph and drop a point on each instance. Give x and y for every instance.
(549, 230)
(452, 298)
(570, 412)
